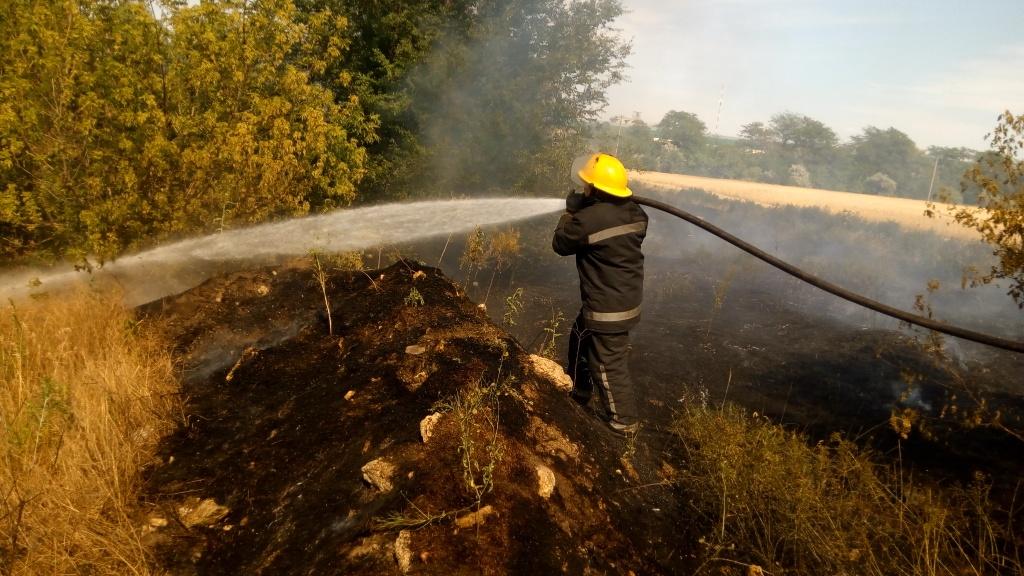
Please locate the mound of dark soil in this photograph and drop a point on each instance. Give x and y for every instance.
(303, 451)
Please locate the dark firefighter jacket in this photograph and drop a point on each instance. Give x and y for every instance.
(605, 234)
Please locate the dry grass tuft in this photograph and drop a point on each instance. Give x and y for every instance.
(765, 496)
(87, 393)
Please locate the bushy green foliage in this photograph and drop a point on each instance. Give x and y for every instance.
(119, 127)
(998, 176)
(116, 127)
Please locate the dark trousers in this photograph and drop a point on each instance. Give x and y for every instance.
(599, 361)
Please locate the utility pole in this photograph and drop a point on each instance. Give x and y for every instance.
(618, 135)
(721, 100)
(935, 169)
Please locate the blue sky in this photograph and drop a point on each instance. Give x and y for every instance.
(939, 70)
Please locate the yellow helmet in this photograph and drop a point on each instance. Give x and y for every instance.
(606, 173)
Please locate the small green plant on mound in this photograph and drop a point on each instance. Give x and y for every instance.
(767, 497)
(474, 257)
(502, 249)
(351, 260)
(552, 330)
(514, 307)
(414, 298)
(477, 411)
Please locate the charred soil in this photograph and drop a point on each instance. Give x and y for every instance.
(307, 453)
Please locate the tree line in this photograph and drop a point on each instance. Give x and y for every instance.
(796, 150)
(124, 122)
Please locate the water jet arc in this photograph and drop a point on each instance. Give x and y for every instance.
(834, 289)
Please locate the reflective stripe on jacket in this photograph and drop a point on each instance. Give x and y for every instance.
(606, 235)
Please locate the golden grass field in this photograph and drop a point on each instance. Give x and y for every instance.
(904, 211)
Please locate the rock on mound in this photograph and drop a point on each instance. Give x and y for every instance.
(419, 437)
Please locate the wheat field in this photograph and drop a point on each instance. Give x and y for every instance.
(906, 212)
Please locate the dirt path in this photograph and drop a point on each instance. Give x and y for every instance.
(904, 211)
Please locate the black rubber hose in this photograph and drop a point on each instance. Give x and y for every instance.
(832, 288)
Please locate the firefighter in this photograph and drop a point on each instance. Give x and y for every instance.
(604, 229)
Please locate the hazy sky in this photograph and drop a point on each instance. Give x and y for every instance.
(939, 70)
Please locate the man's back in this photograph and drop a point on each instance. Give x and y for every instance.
(606, 235)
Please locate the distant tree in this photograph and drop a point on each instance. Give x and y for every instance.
(879, 183)
(950, 166)
(636, 146)
(757, 136)
(685, 130)
(803, 139)
(999, 177)
(890, 152)
(954, 155)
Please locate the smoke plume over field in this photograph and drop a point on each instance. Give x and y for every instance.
(884, 261)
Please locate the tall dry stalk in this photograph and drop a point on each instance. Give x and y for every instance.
(86, 395)
(321, 276)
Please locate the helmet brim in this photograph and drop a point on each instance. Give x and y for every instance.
(623, 192)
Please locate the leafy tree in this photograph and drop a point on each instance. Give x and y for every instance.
(686, 131)
(803, 139)
(258, 137)
(388, 40)
(76, 82)
(757, 136)
(892, 153)
(509, 104)
(115, 127)
(999, 176)
(950, 166)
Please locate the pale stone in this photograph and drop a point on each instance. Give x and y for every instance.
(545, 481)
(196, 512)
(427, 426)
(157, 521)
(403, 551)
(350, 394)
(415, 349)
(475, 518)
(551, 371)
(378, 473)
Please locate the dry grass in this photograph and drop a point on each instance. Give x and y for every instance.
(906, 212)
(87, 393)
(767, 498)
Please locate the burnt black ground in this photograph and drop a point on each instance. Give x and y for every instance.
(281, 447)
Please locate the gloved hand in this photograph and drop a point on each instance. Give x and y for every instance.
(573, 202)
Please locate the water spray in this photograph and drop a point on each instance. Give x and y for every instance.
(176, 267)
(831, 288)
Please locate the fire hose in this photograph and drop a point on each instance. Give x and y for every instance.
(834, 289)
